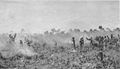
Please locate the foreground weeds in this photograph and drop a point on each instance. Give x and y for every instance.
(94, 55)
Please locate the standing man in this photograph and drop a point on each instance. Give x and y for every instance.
(73, 40)
(81, 42)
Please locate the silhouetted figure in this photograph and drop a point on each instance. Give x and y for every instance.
(118, 36)
(101, 43)
(93, 44)
(108, 37)
(111, 36)
(81, 42)
(105, 41)
(102, 39)
(73, 40)
(97, 38)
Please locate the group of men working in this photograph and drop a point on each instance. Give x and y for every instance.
(100, 42)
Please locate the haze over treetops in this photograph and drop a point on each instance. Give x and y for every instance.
(39, 16)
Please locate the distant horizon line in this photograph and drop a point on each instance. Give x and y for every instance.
(55, 30)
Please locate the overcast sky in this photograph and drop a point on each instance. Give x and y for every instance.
(39, 15)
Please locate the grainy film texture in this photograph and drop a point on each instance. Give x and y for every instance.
(59, 34)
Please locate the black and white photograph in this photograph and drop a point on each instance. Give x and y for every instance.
(59, 34)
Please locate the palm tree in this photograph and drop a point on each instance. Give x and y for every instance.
(101, 28)
(91, 30)
(117, 29)
(53, 30)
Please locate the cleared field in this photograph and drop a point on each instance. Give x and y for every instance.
(87, 50)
